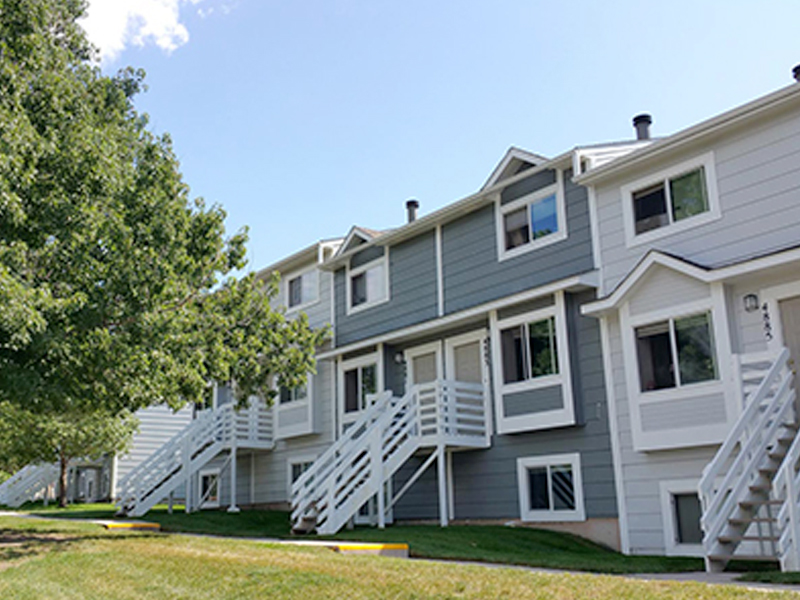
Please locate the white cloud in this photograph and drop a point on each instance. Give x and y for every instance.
(112, 25)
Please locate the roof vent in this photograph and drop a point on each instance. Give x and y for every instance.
(796, 72)
(642, 124)
(411, 207)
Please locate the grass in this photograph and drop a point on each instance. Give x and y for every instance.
(497, 544)
(92, 564)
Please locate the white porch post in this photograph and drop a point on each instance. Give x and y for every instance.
(252, 479)
(187, 464)
(442, 473)
(233, 508)
(451, 509)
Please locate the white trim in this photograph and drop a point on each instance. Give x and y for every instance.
(305, 427)
(616, 442)
(511, 154)
(706, 161)
(303, 303)
(297, 459)
(411, 353)
(666, 491)
(527, 462)
(350, 273)
(375, 358)
(212, 472)
(682, 437)
(354, 231)
(501, 210)
(594, 226)
(563, 379)
(588, 279)
(439, 273)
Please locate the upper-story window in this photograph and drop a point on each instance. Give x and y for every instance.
(297, 394)
(367, 285)
(529, 350)
(670, 201)
(676, 352)
(532, 221)
(359, 383)
(302, 289)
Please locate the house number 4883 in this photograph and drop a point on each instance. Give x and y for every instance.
(767, 321)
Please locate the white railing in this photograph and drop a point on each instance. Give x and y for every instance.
(171, 465)
(357, 466)
(786, 487)
(28, 484)
(727, 478)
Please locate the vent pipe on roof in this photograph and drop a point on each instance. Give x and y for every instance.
(411, 208)
(796, 73)
(642, 124)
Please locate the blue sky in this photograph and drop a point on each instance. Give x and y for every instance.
(304, 118)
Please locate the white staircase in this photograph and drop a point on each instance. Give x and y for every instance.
(736, 489)
(28, 484)
(174, 464)
(357, 467)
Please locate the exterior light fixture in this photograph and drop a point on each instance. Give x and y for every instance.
(750, 303)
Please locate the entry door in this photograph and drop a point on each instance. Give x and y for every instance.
(465, 361)
(423, 364)
(790, 327)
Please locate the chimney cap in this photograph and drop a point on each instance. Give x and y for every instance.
(642, 118)
(411, 210)
(412, 203)
(642, 124)
(796, 73)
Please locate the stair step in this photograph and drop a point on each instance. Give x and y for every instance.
(755, 502)
(746, 521)
(733, 539)
(750, 557)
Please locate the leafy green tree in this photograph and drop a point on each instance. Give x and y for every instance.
(115, 287)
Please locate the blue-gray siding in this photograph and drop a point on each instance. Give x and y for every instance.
(486, 480)
(412, 293)
(472, 273)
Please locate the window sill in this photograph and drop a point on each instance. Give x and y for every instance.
(530, 246)
(648, 237)
(299, 307)
(703, 388)
(367, 305)
(538, 383)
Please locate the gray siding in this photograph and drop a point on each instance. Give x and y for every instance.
(486, 480)
(412, 293)
(472, 273)
(758, 179)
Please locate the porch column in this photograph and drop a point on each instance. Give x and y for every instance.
(442, 476)
(233, 508)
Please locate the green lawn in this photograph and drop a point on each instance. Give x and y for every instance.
(508, 545)
(68, 560)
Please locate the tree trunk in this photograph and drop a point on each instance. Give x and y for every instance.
(63, 461)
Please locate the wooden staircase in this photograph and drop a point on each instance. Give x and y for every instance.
(175, 463)
(740, 505)
(431, 416)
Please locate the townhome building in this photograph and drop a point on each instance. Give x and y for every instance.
(469, 384)
(697, 243)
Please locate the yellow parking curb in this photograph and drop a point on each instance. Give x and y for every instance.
(131, 525)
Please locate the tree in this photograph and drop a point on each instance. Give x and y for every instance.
(34, 437)
(115, 288)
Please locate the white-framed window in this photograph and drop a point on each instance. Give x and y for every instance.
(296, 466)
(531, 353)
(368, 284)
(302, 289)
(292, 395)
(360, 379)
(209, 488)
(681, 513)
(670, 201)
(294, 411)
(676, 351)
(532, 221)
(550, 488)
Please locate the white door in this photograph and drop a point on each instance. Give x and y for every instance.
(790, 327)
(423, 364)
(465, 361)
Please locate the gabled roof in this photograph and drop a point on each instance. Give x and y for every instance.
(706, 274)
(313, 253)
(357, 236)
(515, 161)
(751, 112)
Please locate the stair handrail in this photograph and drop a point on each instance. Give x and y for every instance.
(27, 482)
(718, 502)
(786, 487)
(336, 454)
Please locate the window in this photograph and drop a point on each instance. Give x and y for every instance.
(288, 395)
(668, 202)
(671, 200)
(368, 285)
(296, 469)
(687, 518)
(681, 513)
(532, 221)
(302, 289)
(550, 488)
(358, 384)
(209, 488)
(529, 350)
(686, 343)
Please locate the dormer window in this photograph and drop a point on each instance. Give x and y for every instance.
(532, 221)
